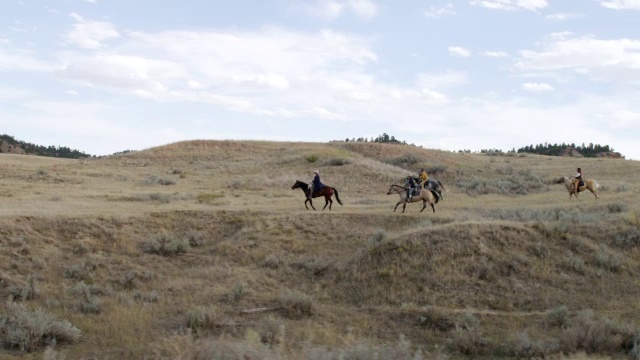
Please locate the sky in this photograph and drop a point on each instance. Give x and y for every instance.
(104, 76)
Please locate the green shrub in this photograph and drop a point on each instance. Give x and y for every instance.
(312, 158)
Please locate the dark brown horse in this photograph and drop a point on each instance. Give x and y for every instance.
(327, 192)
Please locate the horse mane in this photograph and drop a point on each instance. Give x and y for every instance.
(303, 185)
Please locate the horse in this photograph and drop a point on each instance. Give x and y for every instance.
(435, 185)
(426, 195)
(326, 191)
(589, 184)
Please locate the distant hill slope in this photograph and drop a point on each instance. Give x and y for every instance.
(8, 144)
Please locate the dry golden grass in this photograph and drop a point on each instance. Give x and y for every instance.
(478, 278)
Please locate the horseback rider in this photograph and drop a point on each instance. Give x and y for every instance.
(424, 178)
(315, 185)
(426, 183)
(578, 179)
(410, 185)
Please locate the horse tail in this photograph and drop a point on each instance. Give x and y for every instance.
(335, 191)
(596, 183)
(435, 195)
(443, 188)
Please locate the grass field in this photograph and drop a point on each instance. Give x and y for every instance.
(201, 250)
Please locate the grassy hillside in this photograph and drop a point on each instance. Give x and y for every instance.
(201, 248)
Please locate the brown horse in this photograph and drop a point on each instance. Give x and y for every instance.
(426, 195)
(327, 192)
(569, 183)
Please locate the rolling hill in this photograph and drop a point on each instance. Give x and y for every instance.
(201, 248)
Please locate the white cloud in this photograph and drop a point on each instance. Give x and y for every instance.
(13, 58)
(270, 72)
(559, 35)
(563, 16)
(537, 87)
(621, 4)
(333, 9)
(599, 59)
(624, 119)
(532, 5)
(446, 80)
(90, 34)
(496, 54)
(459, 51)
(436, 12)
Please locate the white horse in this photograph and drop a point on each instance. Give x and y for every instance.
(569, 183)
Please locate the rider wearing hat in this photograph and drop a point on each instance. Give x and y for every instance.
(316, 185)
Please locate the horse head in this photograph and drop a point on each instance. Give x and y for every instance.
(391, 190)
(300, 184)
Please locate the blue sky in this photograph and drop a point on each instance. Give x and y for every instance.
(104, 76)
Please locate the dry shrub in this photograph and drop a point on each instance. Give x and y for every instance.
(271, 261)
(271, 330)
(85, 300)
(25, 291)
(469, 342)
(29, 330)
(594, 335)
(201, 318)
(165, 244)
(557, 317)
(296, 304)
(435, 319)
(237, 293)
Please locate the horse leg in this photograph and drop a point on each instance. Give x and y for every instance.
(326, 202)
(424, 205)
(311, 203)
(404, 205)
(399, 202)
(595, 193)
(305, 204)
(433, 207)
